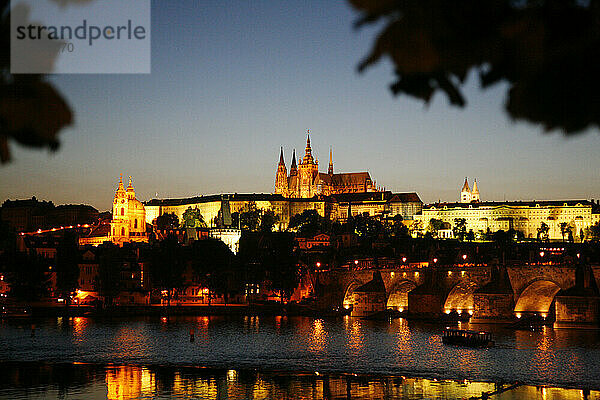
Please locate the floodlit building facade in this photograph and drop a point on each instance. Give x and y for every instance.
(524, 216)
(128, 220)
(305, 180)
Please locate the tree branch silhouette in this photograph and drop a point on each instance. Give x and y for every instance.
(547, 50)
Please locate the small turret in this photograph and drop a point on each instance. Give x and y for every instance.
(330, 170)
(130, 191)
(120, 193)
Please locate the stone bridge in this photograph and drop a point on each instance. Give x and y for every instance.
(489, 294)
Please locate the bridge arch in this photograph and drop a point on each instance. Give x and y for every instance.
(398, 295)
(460, 298)
(537, 297)
(347, 301)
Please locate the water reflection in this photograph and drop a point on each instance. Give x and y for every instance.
(348, 345)
(317, 339)
(123, 382)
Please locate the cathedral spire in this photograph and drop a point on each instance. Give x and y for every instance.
(130, 186)
(475, 192)
(308, 158)
(294, 167)
(121, 183)
(465, 187)
(281, 162)
(330, 170)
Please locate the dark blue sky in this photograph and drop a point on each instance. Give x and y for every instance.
(233, 81)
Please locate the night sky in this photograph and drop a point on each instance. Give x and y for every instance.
(233, 81)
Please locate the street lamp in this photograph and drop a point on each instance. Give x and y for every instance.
(318, 264)
(464, 256)
(435, 260)
(403, 259)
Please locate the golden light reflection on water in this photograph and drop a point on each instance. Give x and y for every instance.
(403, 336)
(125, 382)
(317, 340)
(251, 324)
(129, 382)
(130, 342)
(354, 330)
(80, 325)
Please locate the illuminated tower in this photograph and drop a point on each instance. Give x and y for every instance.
(475, 192)
(281, 181)
(120, 224)
(330, 170)
(293, 167)
(465, 193)
(129, 216)
(307, 171)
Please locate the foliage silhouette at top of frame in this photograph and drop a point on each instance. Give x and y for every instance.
(548, 51)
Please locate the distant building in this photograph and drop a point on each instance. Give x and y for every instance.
(72, 214)
(88, 272)
(335, 207)
(524, 216)
(26, 215)
(128, 220)
(305, 180)
(318, 242)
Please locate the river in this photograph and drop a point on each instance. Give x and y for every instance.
(288, 357)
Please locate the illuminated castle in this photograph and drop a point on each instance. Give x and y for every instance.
(305, 180)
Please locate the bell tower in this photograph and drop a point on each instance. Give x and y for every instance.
(119, 227)
(307, 171)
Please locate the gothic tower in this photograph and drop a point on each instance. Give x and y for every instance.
(293, 167)
(281, 181)
(307, 171)
(465, 193)
(330, 169)
(475, 192)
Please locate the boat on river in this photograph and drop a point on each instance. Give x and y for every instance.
(461, 337)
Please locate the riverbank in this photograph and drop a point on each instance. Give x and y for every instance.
(264, 309)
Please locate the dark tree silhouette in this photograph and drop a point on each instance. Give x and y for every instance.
(167, 221)
(32, 111)
(548, 51)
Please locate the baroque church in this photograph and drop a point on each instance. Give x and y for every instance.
(128, 222)
(305, 180)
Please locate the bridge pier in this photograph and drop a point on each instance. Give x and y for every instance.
(425, 304)
(494, 302)
(577, 311)
(493, 308)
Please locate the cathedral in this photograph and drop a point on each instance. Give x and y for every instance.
(305, 180)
